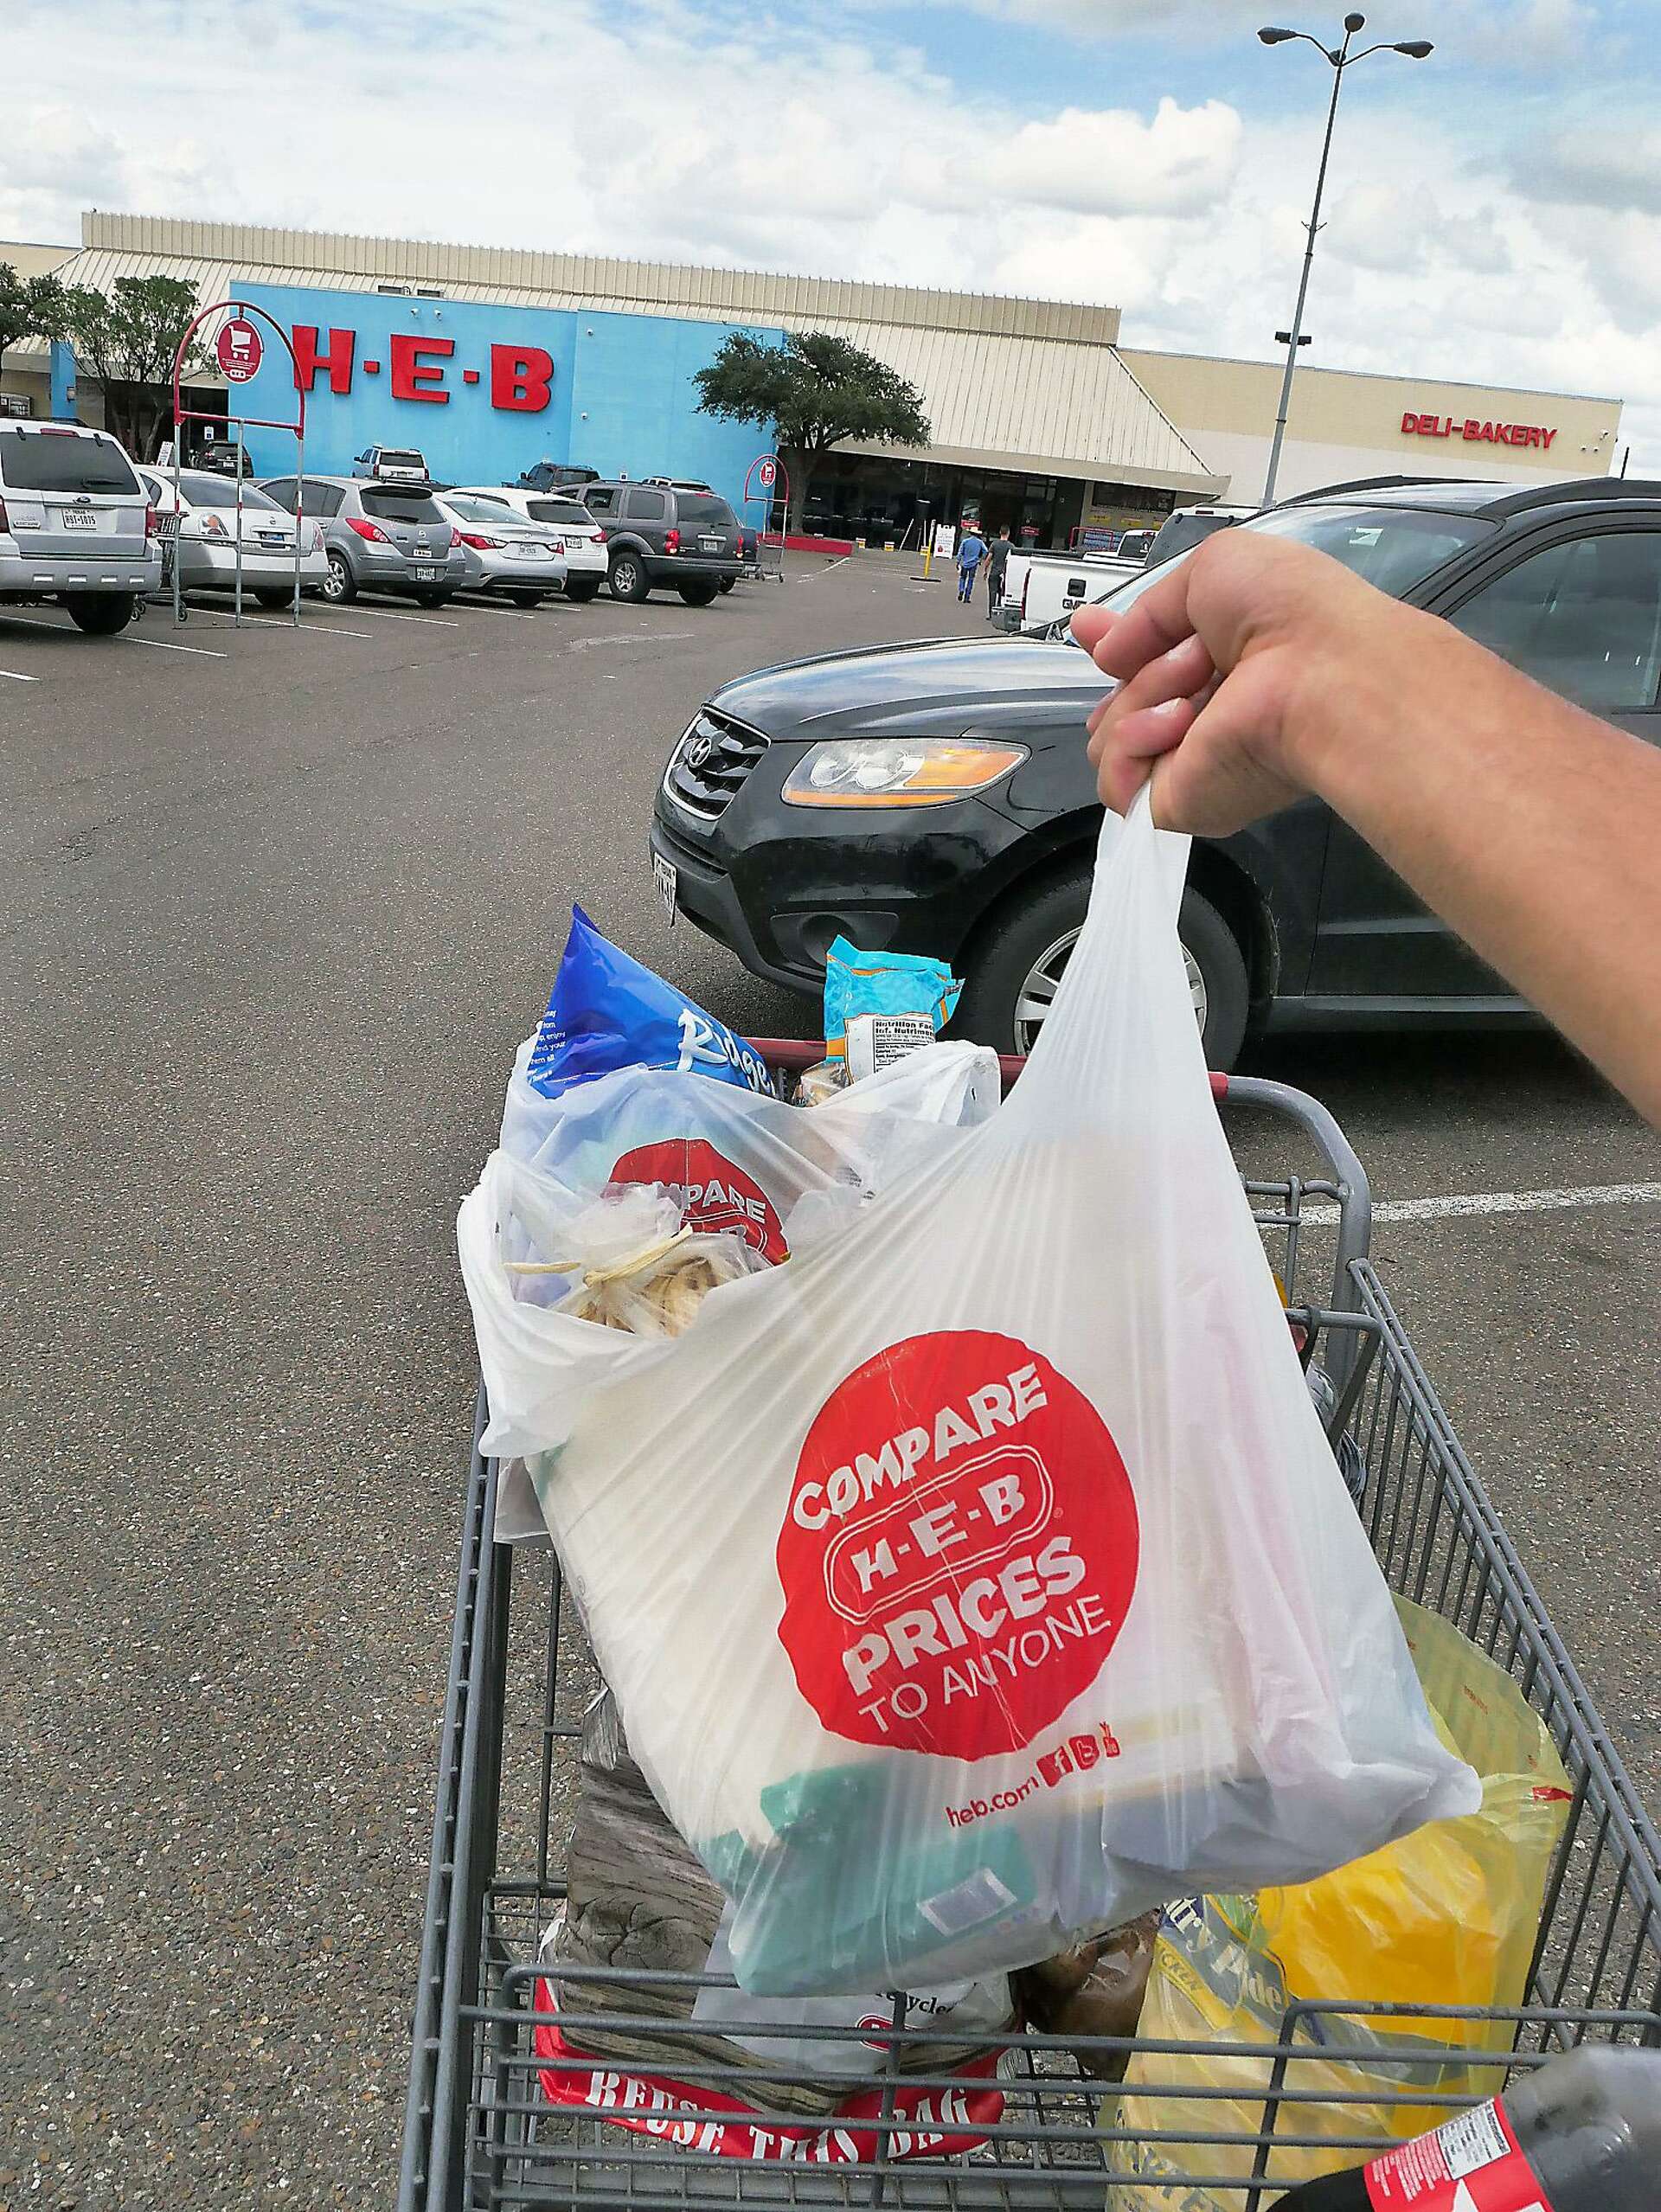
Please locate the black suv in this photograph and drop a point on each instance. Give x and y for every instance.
(658, 534)
(936, 798)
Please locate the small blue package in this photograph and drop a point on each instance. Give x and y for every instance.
(884, 984)
(606, 1012)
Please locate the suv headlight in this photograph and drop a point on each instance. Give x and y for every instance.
(898, 771)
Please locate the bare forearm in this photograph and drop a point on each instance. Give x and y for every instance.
(1532, 828)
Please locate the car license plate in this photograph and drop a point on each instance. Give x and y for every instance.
(79, 518)
(667, 877)
(710, 544)
(426, 575)
(270, 537)
(574, 542)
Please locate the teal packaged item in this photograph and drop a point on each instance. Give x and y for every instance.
(858, 983)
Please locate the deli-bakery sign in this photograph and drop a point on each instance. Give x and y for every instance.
(1473, 431)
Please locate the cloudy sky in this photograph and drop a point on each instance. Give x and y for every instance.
(1493, 213)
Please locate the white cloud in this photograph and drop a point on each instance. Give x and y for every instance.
(1110, 162)
(689, 132)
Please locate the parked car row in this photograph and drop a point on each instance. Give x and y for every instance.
(934, 798)
(80, 523)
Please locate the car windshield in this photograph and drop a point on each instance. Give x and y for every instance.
(481, 510)
(694, 513)
(56, 460)
(557, 510)
(401, 507)
(1394, 547)
(391, 457)
(221, 491)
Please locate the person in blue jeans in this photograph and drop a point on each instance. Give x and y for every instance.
(970, 549)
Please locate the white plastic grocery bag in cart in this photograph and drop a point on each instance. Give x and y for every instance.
(746, 1165)
(745, 1159)
(983, 1574)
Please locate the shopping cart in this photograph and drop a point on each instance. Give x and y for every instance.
(479, 2131)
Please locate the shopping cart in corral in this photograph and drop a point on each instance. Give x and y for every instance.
(481, 2130)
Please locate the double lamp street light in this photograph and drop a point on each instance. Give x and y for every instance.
(1338, 57)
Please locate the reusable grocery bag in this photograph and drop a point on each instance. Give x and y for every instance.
(982, 1575)
(1446, 1916)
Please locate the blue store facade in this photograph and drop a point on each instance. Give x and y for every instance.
(485, 390)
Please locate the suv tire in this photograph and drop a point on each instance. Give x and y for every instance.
(585, 589)
(101, 614)
(698, 594)
(525, 598)
(432, 598)
(275, 598)
(628, 580)
(339, 586)
(1025, 951)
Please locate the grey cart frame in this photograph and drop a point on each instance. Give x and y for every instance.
(479, 2131)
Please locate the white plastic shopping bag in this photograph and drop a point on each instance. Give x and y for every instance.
(745, 1163)
(745, 1160)
(983, 1575)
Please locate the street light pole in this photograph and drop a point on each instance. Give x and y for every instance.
(1338, 57)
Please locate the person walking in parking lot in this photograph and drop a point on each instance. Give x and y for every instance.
(970, 547)
(1258, 670)
(997, 560)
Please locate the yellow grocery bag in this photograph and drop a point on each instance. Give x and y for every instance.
(1448, 1916)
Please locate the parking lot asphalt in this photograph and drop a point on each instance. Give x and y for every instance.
(279, 909)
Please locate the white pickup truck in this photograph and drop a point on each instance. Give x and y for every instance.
(1042, 586)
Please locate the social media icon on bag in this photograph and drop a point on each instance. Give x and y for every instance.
(1052, 1765)
(1086, 1751)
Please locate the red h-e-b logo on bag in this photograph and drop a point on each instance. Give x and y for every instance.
(718, 1194)
(960, 1550)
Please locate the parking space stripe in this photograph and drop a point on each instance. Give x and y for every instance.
(123, 638)
(166, 645)
(307, 629)
(16, 676)
(1502, 1202)
(386, 614)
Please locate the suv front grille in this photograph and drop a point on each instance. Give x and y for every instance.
(706, 769)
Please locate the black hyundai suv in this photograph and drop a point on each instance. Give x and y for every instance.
(936, 798)
(660, 533)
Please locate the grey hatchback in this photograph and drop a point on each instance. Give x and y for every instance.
(659, 533)
(379, 537)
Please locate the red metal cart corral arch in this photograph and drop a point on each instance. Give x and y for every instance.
(238, 310)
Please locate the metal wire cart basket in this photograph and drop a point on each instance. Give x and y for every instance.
(479, 2129)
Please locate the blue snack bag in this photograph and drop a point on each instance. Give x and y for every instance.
(858, 983)
(606, 1011)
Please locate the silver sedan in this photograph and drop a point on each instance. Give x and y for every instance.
(523, 561)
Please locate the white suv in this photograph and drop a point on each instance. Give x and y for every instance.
(74, 524)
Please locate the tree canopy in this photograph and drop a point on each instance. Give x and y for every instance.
(820, 390)
(126, 338)
(30, 307)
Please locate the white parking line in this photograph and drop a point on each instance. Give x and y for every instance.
(519, 613)
(16, 677)
(124, 636)
(311, 628)
(166, 645)
(386, 614)
(1502, 1202)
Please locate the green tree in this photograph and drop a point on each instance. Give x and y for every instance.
(126, 338)
(29, 308)
(819, 391)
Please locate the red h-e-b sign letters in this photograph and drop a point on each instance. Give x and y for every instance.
(521, 377)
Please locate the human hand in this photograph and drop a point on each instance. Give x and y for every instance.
(1231, 670)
